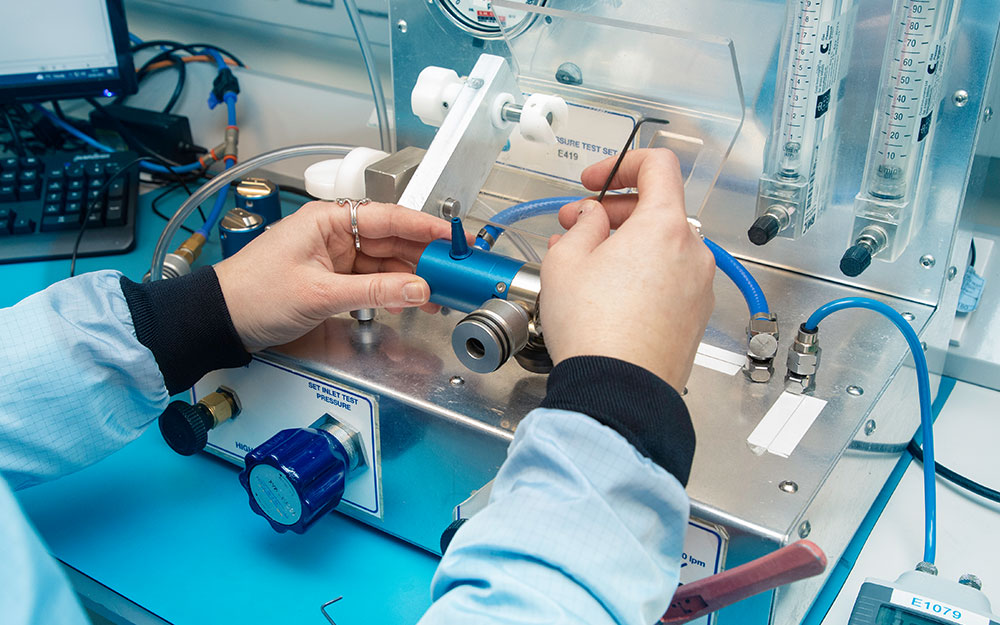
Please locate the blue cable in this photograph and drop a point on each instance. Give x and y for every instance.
(735, 270)
(134, 39)
(923, 394)
(220, 200)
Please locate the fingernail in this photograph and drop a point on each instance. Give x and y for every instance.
(415, 293)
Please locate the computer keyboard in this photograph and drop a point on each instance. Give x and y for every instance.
(43, 200)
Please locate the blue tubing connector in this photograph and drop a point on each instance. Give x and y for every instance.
(923, 395)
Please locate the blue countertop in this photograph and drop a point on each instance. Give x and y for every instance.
(176, 535)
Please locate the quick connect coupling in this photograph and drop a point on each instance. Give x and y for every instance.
(803, 361)
(762, 347)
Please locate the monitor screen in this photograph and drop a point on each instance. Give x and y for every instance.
(52, 49)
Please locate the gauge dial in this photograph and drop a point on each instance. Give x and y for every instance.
(479, 17)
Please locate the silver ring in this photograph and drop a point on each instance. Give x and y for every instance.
(354, 204)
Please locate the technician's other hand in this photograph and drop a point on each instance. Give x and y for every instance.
(305, 269)
(643, 294)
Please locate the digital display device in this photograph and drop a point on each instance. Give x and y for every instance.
(54, 49)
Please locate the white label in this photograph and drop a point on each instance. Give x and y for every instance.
(303, 400)
(589, 135)
(937, 609)
(719, 359)
(784, 425)
(275, 494)
(704, 551)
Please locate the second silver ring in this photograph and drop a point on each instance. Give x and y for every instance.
(354, 204)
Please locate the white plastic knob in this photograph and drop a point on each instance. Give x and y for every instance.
(539, 109)
(341, 177)
(434, 94)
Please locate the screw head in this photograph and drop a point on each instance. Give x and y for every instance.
(927, 261)
(456, 380)
(952, 272)
(788, 486)
(869, 427)
(475, 83)
(855, 390)
(450, 207)
(401, 26)
(684, 391)
(971, 580)
(908, 316)
(805, 528)
(961, 98)
(988, 113)
(501, 287)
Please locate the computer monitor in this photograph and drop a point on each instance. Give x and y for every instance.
(54, 49)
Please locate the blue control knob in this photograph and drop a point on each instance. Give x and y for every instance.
(299, 475)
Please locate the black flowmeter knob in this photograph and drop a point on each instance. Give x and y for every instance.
(185, 427)
(764, 229)
(855, 260)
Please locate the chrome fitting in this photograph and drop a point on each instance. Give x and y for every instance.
(762, 347)
(488, 336)
(803, 362)
(348, 436)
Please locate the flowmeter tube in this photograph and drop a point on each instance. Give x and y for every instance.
(793, 190)
(909, 95)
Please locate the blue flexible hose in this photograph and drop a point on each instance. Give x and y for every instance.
(744, 281)
(923, 394)
(220, 200)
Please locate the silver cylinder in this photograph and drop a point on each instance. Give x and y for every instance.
(488, 336)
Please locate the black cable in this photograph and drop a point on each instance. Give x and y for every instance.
(15, 135)
(193, 48)
(955, 478)
(58, 109)
(176, 62)
(158, 198)
(972, 254)
(91, 205)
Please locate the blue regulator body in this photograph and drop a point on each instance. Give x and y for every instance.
(296, 477)
(463, 277)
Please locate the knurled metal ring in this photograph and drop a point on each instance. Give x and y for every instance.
(354, 204)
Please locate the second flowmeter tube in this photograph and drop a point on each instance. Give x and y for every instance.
(886, 207)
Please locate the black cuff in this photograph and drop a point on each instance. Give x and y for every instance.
(186, 324)
(634, 402)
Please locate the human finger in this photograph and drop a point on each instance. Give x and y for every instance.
(377, 220)
(655, 173)
(618, 207)
(393, 247)
(590, 230)
(377, 290)
(367, 264)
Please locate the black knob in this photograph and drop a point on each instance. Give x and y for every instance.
(764, 229)
(856, 259)
(185, 427)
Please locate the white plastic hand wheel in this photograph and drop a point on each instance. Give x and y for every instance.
(434, 94)
(542, 117)
(341, 177)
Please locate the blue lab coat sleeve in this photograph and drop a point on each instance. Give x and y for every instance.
(587, 516)
(85, 366)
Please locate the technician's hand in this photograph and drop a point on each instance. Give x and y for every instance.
(643, 294)
(305, 269)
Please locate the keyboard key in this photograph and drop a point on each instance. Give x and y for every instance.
(115, 215)
(95, 219)
(52, 209)
(116, 188)
(28, 175)
(8, 193)
(7, 213)
(8, 164)
(95, 183)
(54, 197)
(28, 191)
(55, 223)
(4, 227)
(74, 171)
(94, 170)
(8, 177)
(73, 208)
(54, 185)
(23, 225)
(56, 173)
(94, 195)
(30, 162)
(74, 196)
(75, 184)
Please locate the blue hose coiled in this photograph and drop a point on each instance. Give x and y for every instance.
(735, 270)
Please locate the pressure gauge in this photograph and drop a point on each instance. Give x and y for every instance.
(479, 18)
